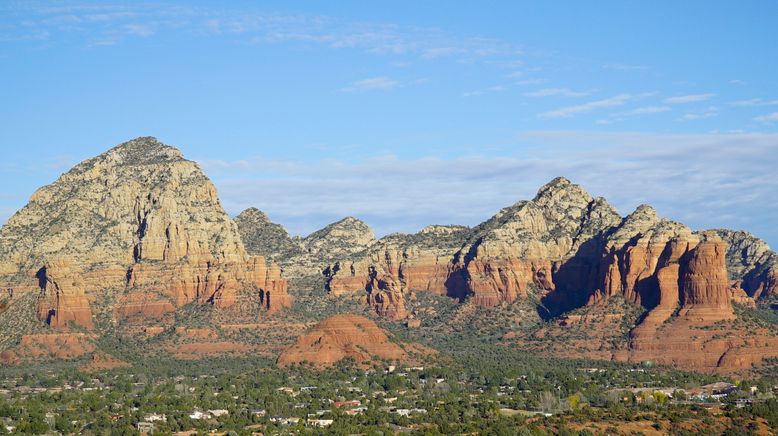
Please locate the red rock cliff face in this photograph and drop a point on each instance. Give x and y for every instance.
(63, 299)
(223, 285)
(564, 245)
(693, 292)
(526, 245)
(705, 288)
(663, 266)
(495, 281)
(399, 264)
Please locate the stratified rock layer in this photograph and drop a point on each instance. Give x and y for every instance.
(527, 244)
(139, 221)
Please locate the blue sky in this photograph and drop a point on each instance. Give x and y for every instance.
(407, 113)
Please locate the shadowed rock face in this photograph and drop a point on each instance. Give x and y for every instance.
(139, 217)
(751, 262)
(342, 336)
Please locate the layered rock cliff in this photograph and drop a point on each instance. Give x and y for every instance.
(139, 221)
(524, 245)
(397, 264)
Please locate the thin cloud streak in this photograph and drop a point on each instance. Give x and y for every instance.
(557, 92)
(617, 100)
(108, 24)
(372, 84)
(769, 118)
(692, 98)
(754, 102)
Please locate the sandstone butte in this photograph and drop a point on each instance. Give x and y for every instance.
(342, 336)
(572, 250)
(138, 228)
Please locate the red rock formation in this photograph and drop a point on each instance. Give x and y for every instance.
(386, 297)
(63, 299)
(204, 282)
(274, 290)
(342, 336)
(57, 345)
(705, 288)
(496, 262)
(494, 281)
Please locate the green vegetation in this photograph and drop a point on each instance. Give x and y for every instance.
(500, 392)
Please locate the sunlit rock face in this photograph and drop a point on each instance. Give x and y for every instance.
(139, 221)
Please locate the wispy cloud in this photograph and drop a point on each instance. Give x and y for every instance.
(142, 30)
(556, 92)
(625, 67)
(704, 180)
(60, 163)
(620, 116)
(769, 118)
(372, 84)
(753, 102)
(495, 88)
(708, 112)
(439, 52)
(527, 82)
(570, 111)
(646, 110)
(691, 98)
(90, 24)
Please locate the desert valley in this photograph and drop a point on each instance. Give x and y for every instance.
(393, 218)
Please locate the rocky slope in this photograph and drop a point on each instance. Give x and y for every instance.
(139, 228)
(751, 262)
(345, 336)
(263, 237)
(303, 259)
